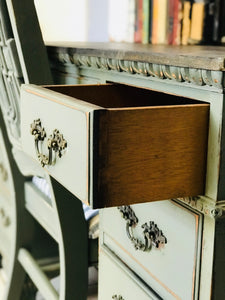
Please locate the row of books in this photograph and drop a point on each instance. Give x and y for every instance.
(171, 22)
(175, 22)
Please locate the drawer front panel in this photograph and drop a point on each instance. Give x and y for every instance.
(172, 269)
(117, 145)
(72, 168)
(118, 282)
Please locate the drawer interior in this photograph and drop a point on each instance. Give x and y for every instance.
(144, 146)
(119, 96)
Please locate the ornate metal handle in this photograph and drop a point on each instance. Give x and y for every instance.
(55, 143)
(117, 297)
(153, 236)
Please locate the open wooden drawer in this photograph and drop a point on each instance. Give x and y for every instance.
(115, 145)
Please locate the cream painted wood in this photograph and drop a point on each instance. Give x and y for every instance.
(29, 45)
(207, 257)
(82, 125)
(6, 237)
(7, 220)
(117, 280)
(171, 270)
(6, 183)
(71, 118)
(28, 166)
(4, 191)
(55, 215)
(5, 227)
(40, 208)
(13, 274)
(3, 279)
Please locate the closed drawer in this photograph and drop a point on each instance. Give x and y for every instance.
(120, 144)
(118, 282)
(172, 269)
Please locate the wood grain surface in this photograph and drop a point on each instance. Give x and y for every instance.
(151, 153)
(197, 56)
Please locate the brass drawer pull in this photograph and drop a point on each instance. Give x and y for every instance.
(153, 236)
(55, 143)
(117, 297)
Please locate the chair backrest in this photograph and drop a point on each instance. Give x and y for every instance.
(23, 59)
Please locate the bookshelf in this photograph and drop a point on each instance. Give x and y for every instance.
(167, 22)
(194, 71)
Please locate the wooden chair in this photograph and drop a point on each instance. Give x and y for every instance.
(49, 235)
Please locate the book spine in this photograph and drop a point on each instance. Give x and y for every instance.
(222, 23)
(150, 20)
(138, 21)
(162, 22)
(179, 26)
(219, 23)
(155, 21)
(197, 22)
(186, 22)
(175, 37)
(216, 35)
(209, 22)
(145, 17)
(170, 22)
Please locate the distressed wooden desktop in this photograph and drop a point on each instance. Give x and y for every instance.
(190, 260)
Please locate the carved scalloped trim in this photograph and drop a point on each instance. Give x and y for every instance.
(205, 205)
(198, 77)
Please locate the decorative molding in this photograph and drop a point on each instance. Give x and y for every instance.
(10, 80)
(205, 205)
(197, 77)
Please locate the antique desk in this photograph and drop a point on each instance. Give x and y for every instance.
(187, 260)
(136, 131)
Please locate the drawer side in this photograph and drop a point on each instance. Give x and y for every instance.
(153, 153)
